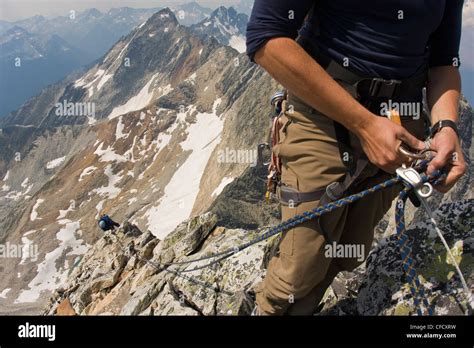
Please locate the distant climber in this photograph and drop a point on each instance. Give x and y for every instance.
(107, 224)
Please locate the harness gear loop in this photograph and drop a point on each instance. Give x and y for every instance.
(278, 103)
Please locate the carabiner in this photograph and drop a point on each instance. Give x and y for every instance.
(423, 154)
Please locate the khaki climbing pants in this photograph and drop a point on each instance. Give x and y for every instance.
(300, 273)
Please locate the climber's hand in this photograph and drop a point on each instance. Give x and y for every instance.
(380, 139)
(449, 157)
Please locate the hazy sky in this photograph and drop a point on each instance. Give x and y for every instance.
(16, 9)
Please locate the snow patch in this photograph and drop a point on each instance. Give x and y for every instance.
(191, 79)
(63, 213)
(119, 134)
(141, 100)
(111, 191)
(48, 277)
(24, 184)
(55, 162)
(104, 80)
(34, 213)
(87, 171)
(108, 155)
(238, 43)
(99, 208)
(89, 86)
(27, 247)
(225, 181)
(4, 293)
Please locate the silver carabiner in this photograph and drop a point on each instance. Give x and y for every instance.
(413, 178)
(418, 156)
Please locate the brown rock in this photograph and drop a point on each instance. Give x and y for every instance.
(65, 308)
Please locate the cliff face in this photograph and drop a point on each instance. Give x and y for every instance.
(123, 273)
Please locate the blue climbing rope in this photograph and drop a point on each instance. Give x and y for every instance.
(404, 242)
(405, 246)
(297, 220)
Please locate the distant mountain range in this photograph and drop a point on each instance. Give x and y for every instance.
(28, 62)
(226, 25)
(52, 48)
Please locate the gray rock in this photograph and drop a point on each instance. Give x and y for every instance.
(143, 297)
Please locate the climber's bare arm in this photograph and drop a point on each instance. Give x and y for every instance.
(444, 90)
(290, 65)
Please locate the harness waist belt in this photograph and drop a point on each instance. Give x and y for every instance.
(368, 87)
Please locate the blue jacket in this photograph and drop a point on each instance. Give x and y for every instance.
(392, 39)
(109, 223)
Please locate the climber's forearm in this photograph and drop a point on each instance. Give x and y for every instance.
(290, 65)
(443, 92)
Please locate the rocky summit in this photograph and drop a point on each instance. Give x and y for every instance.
(131, 272)
(162, 133)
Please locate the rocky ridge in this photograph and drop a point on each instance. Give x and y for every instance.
(122, 274)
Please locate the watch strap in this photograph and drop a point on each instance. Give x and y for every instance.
(443, 124)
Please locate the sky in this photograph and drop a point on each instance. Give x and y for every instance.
(12, 10)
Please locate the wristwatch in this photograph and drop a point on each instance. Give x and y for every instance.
(442, 124)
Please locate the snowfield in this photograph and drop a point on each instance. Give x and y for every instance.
(49, 277)
(181, 192)
(138, 102)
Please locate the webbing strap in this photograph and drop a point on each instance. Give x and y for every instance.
(292, 197)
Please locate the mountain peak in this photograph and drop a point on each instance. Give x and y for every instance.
(226, 25)
(222, 10)
(16, 30)
(193, 6)
(91, 12)
(164, 16)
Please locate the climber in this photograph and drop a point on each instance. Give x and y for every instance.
(355, 72)
(107, 224)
